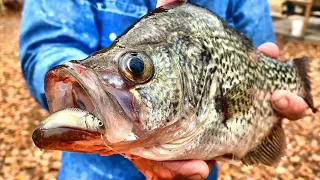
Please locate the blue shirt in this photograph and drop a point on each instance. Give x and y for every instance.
(53, 32)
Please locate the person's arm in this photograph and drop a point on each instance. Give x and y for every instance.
(252, 17)
(53, 32)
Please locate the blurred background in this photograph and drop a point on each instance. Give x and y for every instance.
(297, 32)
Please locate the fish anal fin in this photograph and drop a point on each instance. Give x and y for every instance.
(270, 151)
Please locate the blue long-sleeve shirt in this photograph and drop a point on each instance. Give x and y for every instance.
(53, 32)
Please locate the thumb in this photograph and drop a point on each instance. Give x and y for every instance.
(289, 105)
(269, 49)
(189, 169)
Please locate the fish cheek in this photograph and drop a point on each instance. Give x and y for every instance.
(160, 103)
(160, 98)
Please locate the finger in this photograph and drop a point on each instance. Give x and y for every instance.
(164, 2)
(269, 49)
(190, 169)
(288, 104)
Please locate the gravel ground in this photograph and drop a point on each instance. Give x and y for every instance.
(20, 114)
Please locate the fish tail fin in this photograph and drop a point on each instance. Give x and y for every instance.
(302, 66)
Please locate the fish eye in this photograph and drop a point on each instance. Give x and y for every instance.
(136, 67)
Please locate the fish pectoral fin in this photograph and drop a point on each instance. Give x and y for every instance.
(237, 101)
(270, 150)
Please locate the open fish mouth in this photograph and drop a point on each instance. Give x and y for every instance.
(75, 86)
(65, 89)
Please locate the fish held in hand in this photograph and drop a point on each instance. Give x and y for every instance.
(179, 84)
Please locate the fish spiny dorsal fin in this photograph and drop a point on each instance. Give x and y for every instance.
(270, 150)
(302, 67)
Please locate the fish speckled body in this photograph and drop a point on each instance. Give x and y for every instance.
(178, 84)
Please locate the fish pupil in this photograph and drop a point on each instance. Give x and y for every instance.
(136, 66)
(100, 124)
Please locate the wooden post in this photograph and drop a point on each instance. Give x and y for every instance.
(306, 18)
(308, 6)
(1, 7)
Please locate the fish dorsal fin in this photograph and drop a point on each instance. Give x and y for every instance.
(270, 150)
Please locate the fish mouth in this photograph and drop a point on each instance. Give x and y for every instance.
(73, 85)
(65, 89)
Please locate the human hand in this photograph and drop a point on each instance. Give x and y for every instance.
(287, 104)
(187, 169)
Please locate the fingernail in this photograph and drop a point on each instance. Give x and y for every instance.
(194, 177)
(282, 104)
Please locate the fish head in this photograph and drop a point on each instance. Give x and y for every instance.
(133, 91)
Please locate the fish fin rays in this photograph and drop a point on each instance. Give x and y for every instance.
(237, 101)
(271, 149)
(302, 66)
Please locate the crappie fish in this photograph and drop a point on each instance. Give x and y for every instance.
(179, 84)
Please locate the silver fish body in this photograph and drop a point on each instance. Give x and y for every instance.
(179, 84)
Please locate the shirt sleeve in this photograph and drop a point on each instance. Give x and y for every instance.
(252, 17)
(52, 33)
